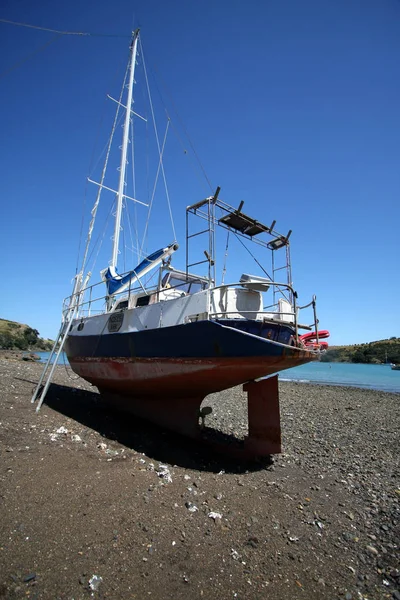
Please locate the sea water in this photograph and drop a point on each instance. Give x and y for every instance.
(44, 357)
(375, 377)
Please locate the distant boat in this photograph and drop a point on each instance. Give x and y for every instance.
(158, 350)
(395, 367)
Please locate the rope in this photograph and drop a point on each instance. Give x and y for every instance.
(82, 33)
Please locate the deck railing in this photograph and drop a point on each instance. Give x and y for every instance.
(100, 304)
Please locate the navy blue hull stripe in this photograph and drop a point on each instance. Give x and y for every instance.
(202, 339)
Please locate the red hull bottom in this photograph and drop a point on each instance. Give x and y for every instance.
(179, 377)
(169, 393)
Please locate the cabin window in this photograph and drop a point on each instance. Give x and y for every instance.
(196, 286)
(143, 300)
(179, 284)
(189, 287)
(122, 305)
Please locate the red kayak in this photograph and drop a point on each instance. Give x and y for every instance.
(312, 335)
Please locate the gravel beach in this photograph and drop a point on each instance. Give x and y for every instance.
(96, 504)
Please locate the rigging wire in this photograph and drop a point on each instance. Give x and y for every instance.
(106, 100)
(161, 164)
(107, 147)
(123, 237)
(225, 258)
(59, 34)
(81, 33)
(127, 217)
(127, 213)
(154, 191)
(101, 235)
(103, 174)
(212, 188)
(148, 185)
(252, 255)
(260, 265)
(30, 55)
(193, 165)
(135, 223)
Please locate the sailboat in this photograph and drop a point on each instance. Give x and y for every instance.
(158, 350)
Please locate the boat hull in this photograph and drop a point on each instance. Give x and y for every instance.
(192, 359)
(164, 374)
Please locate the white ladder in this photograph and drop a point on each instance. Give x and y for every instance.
(62, 335)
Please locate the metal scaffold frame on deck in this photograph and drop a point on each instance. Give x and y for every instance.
(243, 226)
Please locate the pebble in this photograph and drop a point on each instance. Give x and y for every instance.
(191, 507)
(321, 445)
(214, 515)
(94, 582)
(372, 550)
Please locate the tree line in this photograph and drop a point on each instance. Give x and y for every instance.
(14, 336)
(379, 352)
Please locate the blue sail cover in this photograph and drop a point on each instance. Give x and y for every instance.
(115, 282)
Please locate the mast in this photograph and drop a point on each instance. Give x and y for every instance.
(124, 148)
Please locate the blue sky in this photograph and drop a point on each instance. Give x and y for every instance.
(291, 106)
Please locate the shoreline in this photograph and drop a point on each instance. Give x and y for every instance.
(284, 377)
(340, 385)
(89, 492)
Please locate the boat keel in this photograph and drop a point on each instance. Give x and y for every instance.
(264, 417)
(182, 416)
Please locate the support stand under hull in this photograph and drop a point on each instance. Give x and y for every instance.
(182, 416)
(169, 392)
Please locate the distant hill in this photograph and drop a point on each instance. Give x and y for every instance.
(17, 336)
(378, 352)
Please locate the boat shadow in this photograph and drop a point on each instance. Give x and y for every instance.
(90, 410)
